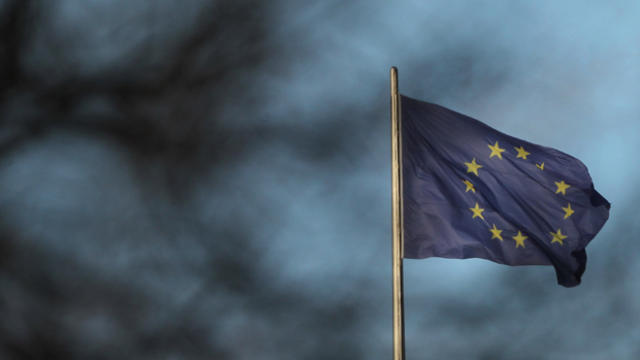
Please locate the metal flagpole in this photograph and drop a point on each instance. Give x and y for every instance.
(396, 208)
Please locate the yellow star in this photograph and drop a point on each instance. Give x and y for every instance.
(562, 187)
(519, 238)
(522, 153)
(473, 167)
(558, 236)
(469, 186)
(568, 211)
(477, 212)
(540, 166)
(495, 233)
(495, 150)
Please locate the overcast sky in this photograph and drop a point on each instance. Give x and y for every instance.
(212, 180)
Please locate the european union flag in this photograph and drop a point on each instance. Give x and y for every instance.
(470, 191)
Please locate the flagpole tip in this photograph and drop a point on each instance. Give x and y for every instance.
(393, 74)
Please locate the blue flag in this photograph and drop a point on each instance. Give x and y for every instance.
(470, 191)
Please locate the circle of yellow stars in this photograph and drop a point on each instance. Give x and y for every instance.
(473, 167)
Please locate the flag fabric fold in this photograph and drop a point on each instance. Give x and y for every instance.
(470, 191)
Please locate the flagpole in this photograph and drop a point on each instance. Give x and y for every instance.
(396, 208)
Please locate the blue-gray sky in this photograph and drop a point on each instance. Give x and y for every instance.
(212, 180)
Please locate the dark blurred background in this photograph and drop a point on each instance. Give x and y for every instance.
(210, 180)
